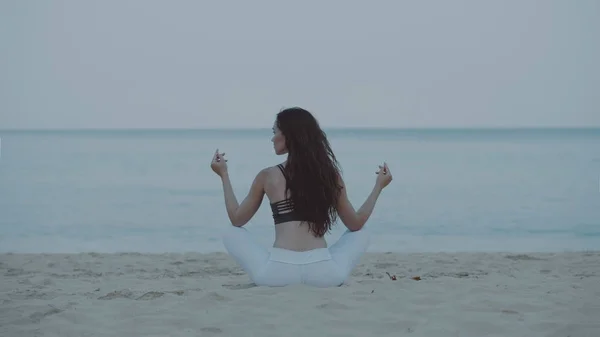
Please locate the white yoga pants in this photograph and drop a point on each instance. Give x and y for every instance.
(323, 267)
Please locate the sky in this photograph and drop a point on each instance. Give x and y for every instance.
(232, 64)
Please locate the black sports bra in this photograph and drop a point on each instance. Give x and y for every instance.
(283, 210)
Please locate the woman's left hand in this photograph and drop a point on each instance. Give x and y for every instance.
(219, 163)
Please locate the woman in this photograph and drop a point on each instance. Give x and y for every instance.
(307, 194)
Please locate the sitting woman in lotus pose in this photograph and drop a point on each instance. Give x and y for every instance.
(307, 194)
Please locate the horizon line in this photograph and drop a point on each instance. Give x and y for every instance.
(323, 127)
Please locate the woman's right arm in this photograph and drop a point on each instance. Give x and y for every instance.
(352, 219)
(355, 220)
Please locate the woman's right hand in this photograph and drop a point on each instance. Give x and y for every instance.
(219, 163)
(384, 176)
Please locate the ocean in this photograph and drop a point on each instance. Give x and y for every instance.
(153, 191)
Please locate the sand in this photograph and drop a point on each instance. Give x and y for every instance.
(467, 294)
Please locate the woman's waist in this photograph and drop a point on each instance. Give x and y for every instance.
(297, 237)
(291, 256)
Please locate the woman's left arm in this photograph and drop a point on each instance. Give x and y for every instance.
(240, 214)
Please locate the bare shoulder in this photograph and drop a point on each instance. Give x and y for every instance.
(270, 175)
(271, 169)
(263, 174)
(266, 172)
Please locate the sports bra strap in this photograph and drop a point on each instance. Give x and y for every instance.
(281, 168)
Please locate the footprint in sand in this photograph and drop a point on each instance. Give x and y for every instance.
(117, 294)
(239, 286)
(216, 297)
(37, 316)
(177, 292)
(211, 329)
(384, 265)
(332, 305)
(510, 312)
(14, 272)
(522, 257)
(150, 296)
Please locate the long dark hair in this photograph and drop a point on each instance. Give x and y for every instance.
(312, 169)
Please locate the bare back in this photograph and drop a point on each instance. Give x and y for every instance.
(292, 235)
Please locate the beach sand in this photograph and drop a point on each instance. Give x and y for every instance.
(463, 294)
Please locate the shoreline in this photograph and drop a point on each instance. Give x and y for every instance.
(406, 244)
(191, 294)
(369, 252)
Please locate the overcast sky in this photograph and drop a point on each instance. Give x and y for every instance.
(137, 64)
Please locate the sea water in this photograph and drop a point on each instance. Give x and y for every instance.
(153, 190)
